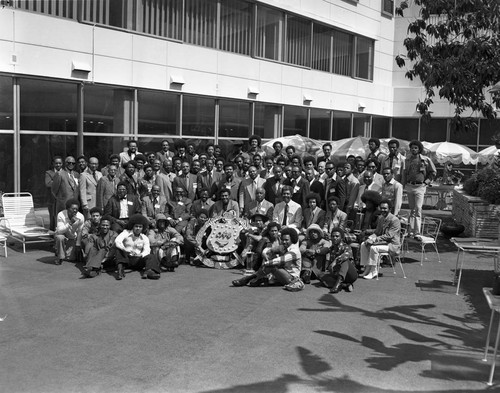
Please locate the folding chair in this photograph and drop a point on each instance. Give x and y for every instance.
(20, 222)
(430, 232)
(394, 257)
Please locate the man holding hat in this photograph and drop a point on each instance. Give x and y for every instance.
(178, 210)
(165, 243)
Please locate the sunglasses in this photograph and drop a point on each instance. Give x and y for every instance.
(71, 162)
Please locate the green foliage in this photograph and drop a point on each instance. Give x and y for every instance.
(471, 185)
(489, 185)
(454, 49)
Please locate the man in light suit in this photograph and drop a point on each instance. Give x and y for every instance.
(209, 178)
(385, 238)
(106, 186)
(165, 153)
(288, 213)
(121, 207)
(186, 181)
(65, 184)
(259, 206)
(224, 205)
(129, 155)
(248, 187)
(154, 204)
(88, 186)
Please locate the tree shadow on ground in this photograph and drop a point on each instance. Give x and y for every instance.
(315, 367)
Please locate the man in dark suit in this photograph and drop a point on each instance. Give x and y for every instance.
(259, 206)
(334, 185)
(178, 210)
(229, 182)
(300, 186)
(65, 184)
(209, 178)
(154, 204)
(274, 185)
(315, 186)
(121, 207)
(57, 164)
(186, 181)
(106, 187)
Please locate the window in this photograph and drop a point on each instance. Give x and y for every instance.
(322, 48)
(234, 119)
(6, 101)
(488, 128)
(270, 27)
(341, 125)
(200, 22)
(161, 18)
(405, 128)
(7, 155)
(364, 58)
(267, 120)
(295, 121)
(236, 26)
(158, 113)
(342, 53)
(320, 124)
(198, 116)
(433, 130)
(298, 41)
(381, 127)
(48, 106)
(108, 110)
(360, 124)
(61, 8)
(388, 7)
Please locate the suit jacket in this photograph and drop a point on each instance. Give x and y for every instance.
(388, 231)
(165, 184)
(204, 181)
(88, 189)
(352, 187)
(64, 187)
(334, 187)
(294, 216)
(300, 190)
(394, 192)
(113, 206)
(217, 208)
(150, 210)
(317, 218)
(132, 185)
(233, 186)
(162, 156)
(246, 193)
(189, 189)
(265, 174)
(106, 188)
(49, 179)
(179, 209)
(198, 205)
(339, 219)
(273, 190)
(266, 208)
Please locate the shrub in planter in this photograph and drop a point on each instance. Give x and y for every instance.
(471, 185)
(488, 180)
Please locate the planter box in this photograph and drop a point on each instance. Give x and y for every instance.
(476, 215)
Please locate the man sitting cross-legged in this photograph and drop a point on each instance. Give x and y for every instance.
(68, 232)
(283, 263)
(313, 249)
(165, 243)
(101, 248)
(133, 249)
(341, 272)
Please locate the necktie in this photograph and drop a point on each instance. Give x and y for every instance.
(209, 178)
(285, 215)
(187, 182)
(95, 176)
(390, 161)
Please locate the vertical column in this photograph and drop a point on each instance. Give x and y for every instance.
(80, 148)
(17, 137)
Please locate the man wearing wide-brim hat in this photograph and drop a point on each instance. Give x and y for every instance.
(314, 249)
(165, 243)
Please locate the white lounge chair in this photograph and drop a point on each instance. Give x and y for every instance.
(20, 222)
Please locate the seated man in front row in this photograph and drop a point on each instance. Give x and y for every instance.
(121, 206)
(283, 263)
(101, 248)
(385, 238)
(68, 232)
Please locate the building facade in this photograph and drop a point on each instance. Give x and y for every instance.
(85, 76)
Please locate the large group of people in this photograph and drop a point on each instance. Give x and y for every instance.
(309, 217)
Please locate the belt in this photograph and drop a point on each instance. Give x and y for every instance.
(415, 182)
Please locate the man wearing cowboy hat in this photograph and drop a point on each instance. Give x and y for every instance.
(165, 243)
(313, 249)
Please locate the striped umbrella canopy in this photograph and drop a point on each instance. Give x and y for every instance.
(443, 152)
(303, 145)
(488, 155)
(357, 146)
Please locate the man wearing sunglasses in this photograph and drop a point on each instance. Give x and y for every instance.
(65, 184)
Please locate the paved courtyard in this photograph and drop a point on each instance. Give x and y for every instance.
(192, 332)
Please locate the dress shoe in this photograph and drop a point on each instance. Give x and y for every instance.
(93, 273)
(371, 275)
(367, 271)
(258, 281)
(120, 273)
(337, 287)
(243, 280)
(152, 275)
(306, 277)
(58, 261)
(348, 287)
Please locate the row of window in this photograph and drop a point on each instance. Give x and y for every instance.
(237, 26)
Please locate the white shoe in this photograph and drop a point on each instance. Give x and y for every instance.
(371, 275)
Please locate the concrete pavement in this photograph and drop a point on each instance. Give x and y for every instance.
(192, 332)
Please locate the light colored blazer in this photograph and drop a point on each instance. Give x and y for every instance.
(294, 216)
(246, 193)
(88, 189)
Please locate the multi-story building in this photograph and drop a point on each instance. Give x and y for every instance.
(84, 76)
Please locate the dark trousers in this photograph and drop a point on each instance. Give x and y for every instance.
(281, 275)
(346, 270)
(95, 257)
(148, 262)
